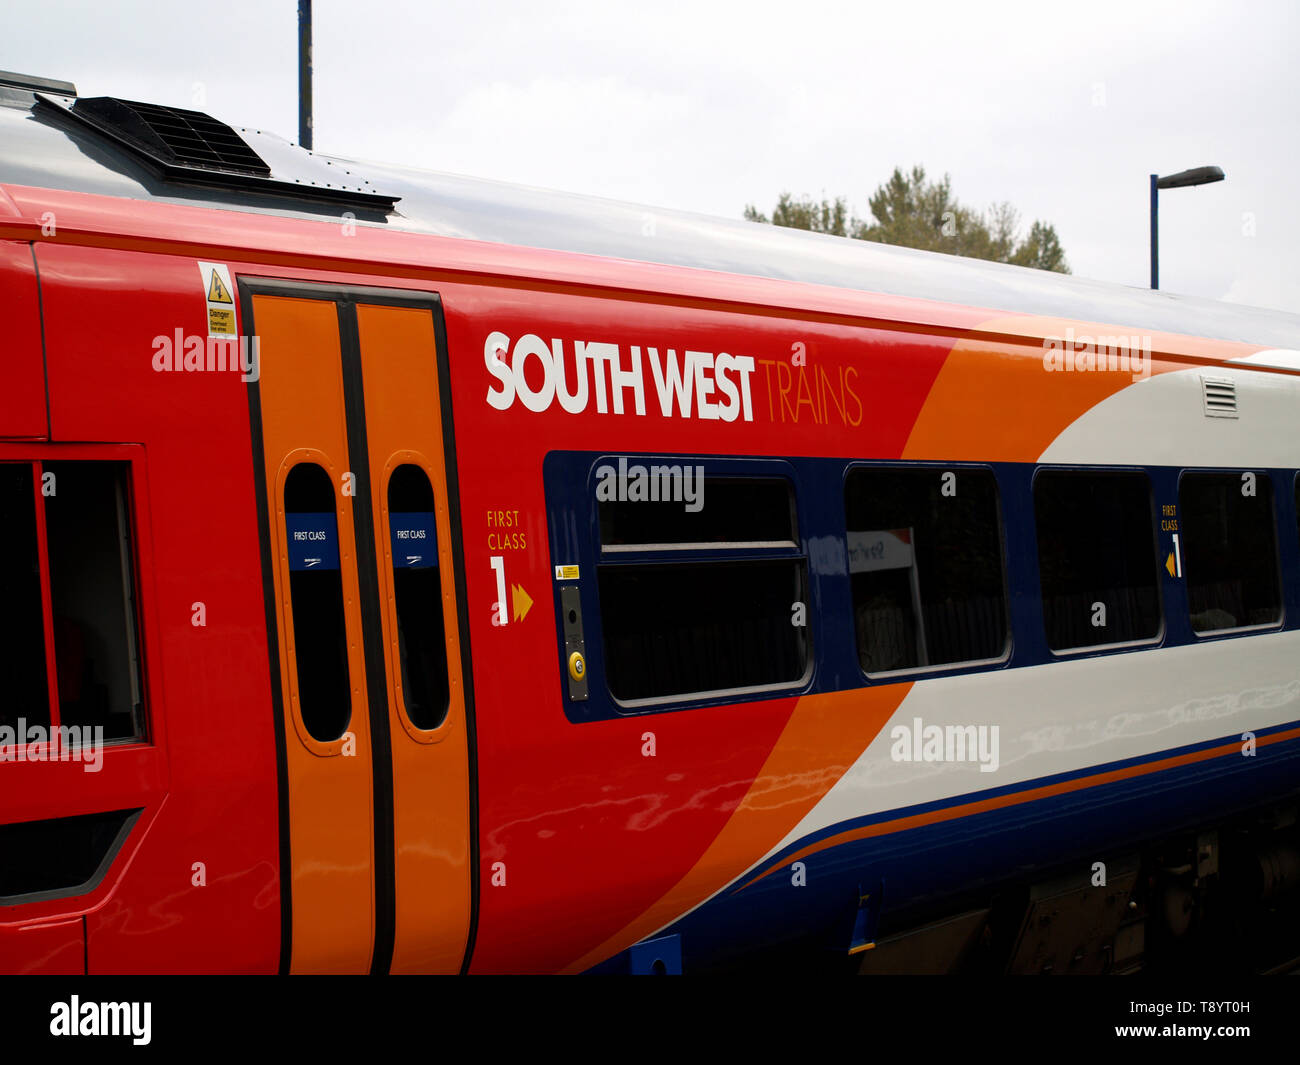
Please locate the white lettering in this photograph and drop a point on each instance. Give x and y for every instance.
(696, 385)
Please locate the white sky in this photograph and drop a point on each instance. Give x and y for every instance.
(1064, 110)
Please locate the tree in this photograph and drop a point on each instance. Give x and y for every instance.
(1041, 249)
(910, 211)
(824, 217)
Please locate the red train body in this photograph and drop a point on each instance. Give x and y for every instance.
(527, 830)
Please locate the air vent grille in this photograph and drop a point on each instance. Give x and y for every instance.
(194, 149)
(1219, 395)
(174, 135)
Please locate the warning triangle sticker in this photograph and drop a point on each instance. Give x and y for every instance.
(217, 292)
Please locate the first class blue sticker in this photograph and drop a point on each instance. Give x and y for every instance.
(415, 542)
(313, 541)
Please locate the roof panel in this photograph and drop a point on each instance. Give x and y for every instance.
(37, 150)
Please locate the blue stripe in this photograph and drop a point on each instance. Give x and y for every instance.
(943, 862)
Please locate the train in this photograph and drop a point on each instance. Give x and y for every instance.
(410, 573)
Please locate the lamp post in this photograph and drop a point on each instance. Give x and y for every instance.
(304, 73)
(1201, 175)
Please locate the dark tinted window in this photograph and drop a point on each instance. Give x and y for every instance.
(665, 503)
(59, 856)
(676, 628)
(1229, 549)
(925, 563)
(675, 623)
(320, 642)
(92, 590)
(22, 616)
(417, 589)
(1096, 557)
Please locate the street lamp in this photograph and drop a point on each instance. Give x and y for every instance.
(1201, 175)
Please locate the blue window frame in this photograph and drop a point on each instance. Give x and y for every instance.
(692, 570)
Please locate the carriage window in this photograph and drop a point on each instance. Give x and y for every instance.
(417, 591)
(320, 643)
(22, 621)
(925, 566)
(1096, 558)
(92, 591)
(703, 585)
(674, 628)
(757, 512)
(1229, 550)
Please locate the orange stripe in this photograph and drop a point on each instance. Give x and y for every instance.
(951, 813)
(822, 740)
(1034, 405)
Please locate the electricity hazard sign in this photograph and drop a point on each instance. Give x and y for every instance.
(221, 303)
(218, 292)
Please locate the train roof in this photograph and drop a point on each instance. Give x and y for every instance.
(49, 138)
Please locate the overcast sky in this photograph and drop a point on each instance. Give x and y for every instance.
(1064, 110)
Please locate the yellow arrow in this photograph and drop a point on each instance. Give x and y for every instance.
(522, 602)
(1169, 563)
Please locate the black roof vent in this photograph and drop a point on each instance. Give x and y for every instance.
(172, 135)
(194, 148)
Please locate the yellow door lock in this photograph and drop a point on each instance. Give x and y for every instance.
(574, 647)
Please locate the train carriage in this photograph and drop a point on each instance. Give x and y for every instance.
(406, 573)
